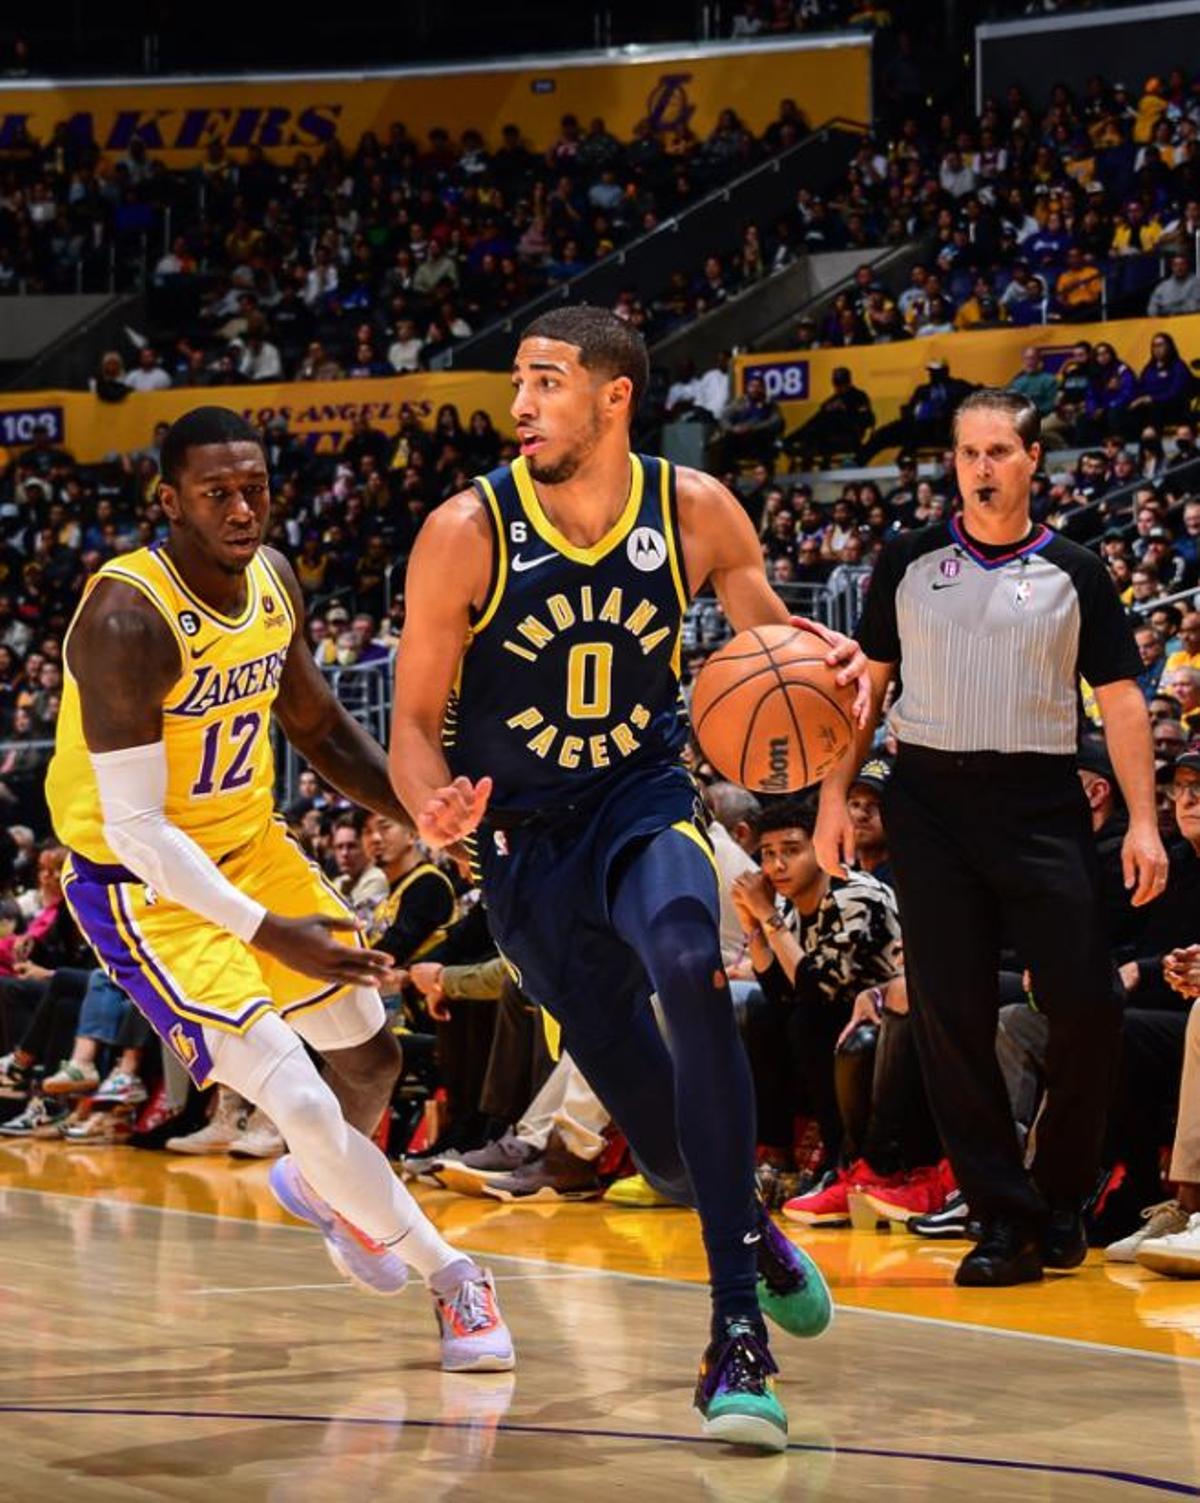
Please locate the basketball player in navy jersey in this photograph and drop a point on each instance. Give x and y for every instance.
(538, 707)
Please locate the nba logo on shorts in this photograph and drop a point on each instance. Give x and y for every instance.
(950, 568)
(647, 549)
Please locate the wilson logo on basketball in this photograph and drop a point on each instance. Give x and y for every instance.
(779, 763)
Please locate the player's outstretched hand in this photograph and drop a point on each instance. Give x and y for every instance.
(846, 655)
(307, 945)
(453, 811)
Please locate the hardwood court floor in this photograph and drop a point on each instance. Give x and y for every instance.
(167, 1334)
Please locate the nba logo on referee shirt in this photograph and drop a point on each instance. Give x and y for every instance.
(950, 568)
(1022, 593)
(647, 549)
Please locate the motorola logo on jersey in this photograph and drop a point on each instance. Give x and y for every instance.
(646, 549)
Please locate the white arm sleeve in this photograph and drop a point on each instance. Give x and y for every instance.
(133, 788)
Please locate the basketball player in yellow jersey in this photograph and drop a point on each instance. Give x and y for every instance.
(538, 699)
(191, 892)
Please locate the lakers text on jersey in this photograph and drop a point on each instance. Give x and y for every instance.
(216, 718)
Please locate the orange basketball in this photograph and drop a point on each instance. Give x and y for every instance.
(768, 711)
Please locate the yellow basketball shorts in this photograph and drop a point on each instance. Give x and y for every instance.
(184, 973)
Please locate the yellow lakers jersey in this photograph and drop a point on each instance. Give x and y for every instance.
(216, 718)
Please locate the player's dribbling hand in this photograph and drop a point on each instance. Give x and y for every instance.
(833, 838)
(453, 811)
(846, 655)
(307, 945)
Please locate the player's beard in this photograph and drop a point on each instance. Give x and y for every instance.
(567, 466)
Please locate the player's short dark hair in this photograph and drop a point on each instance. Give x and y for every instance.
(202, 425)
(798, 813)
(1027, 420)
(605, 342)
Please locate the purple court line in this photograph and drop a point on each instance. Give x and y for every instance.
(1102, 1474)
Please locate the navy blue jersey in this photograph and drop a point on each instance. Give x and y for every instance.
(571, 673)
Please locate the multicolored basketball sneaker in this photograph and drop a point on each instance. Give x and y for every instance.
(356, 1256)
(735, 1392)
(474, 1336)
(791, 1288)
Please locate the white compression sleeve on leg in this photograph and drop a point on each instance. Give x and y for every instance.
(344, 1167)
(132, 784)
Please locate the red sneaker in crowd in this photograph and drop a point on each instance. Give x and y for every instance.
(829, 1203)
(914, 1194)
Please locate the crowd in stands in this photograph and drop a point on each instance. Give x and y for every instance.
(381, 256)
(828, 1040)
(377, 260)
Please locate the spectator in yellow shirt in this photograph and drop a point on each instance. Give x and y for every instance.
(980, 309)
(1079, 289)
(1135, 234)
(1188, 655)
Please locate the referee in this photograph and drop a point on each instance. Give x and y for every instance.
(988, 622)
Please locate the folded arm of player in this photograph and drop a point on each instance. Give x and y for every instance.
(448, 578)
(721, 545)
(125, 661)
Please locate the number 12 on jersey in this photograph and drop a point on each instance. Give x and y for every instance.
(242, 734)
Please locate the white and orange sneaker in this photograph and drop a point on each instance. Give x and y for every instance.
(473, 1333)
(365, 1262)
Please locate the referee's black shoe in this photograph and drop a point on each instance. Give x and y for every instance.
(1009, 1252)
(1064, 1241)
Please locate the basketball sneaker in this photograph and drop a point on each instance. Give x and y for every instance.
(791, 1288)
(636, 1193)
(473, 1333)
(735, 1392)
(220, 1132)
(1176, 1254)
(356, 1256)
(468, 1172)
(40, 1119)
(260, 1140)
(953, 1222)
(918, 1193)
(776, 1186)
(1163, 1220)
(120, 1089)
(71, 1079)
(15, 1078)
(556, 1174)
(828, 1203)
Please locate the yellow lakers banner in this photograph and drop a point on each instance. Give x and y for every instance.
(669, 88)
(319, 414)
(800, 380)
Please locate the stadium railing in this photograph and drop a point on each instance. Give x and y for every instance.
(712, 225)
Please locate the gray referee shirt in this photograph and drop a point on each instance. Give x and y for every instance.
(992, 641)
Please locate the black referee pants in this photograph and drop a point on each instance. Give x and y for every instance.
(989, 847)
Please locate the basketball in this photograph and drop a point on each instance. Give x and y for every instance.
(768, 710)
